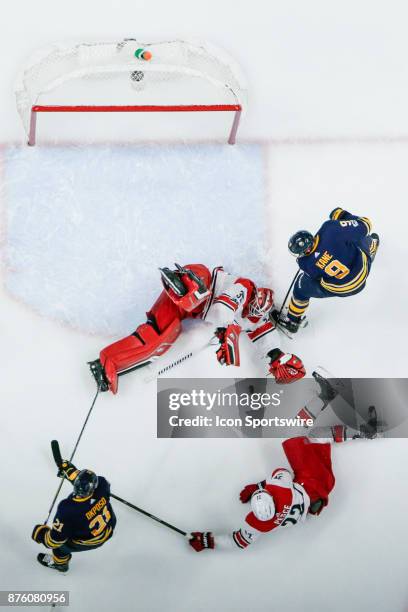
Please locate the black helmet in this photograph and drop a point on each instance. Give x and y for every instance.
(301, 243)
(85, 483)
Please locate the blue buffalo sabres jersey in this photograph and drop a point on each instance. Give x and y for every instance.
(87, 521)
(340, 258)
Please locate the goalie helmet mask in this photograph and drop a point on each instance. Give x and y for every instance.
(185, 288)
(85, 483)
(262, 505)
(262, 303)
(301, 243)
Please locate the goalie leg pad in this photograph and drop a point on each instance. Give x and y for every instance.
(164, 311)
(137, 349)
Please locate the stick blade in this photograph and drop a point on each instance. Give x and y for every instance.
(56, 453)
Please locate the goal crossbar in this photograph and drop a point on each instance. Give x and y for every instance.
(141, 108)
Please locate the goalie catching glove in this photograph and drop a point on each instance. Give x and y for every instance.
(228, 352)
(200, 540)
(285, 367)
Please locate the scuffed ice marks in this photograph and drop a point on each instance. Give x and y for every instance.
(87, 227)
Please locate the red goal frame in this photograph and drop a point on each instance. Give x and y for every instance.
(187, 108)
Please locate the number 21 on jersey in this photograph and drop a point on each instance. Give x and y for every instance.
(98, 524)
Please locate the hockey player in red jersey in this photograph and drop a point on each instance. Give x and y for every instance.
(230, 304)
(287, 497)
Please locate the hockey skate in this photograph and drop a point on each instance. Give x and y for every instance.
(99, 375)
(47, 561)
(327, 392)
(287, 325)
(373, 428)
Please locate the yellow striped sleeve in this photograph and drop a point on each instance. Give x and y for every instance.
(336, 214)
(315, 243)
(38, 530)
(367, 223)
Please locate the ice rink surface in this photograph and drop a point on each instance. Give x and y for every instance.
(328, 116)
(117, 214)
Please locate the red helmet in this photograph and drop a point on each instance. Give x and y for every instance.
(185, 287)
(261, 303)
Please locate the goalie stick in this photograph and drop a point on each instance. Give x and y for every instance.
(56, 453)
(156, 370)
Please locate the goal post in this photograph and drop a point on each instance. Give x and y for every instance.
(181, 76)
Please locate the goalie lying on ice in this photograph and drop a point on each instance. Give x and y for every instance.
(230, 304)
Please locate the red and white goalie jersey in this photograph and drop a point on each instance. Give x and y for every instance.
(231, 304)
(236, 300)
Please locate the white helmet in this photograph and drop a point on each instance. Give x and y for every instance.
(262, 505)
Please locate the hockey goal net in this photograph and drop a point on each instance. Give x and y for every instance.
(181, 76)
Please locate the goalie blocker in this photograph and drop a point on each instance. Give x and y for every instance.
(231, 304)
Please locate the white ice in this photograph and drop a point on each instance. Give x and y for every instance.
(330, 81)
(98, 221)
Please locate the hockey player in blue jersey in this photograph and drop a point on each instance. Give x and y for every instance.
(334, 262)
(84, 520)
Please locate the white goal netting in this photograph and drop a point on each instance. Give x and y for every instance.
(180, 73)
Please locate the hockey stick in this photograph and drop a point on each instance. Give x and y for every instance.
(287, 293)
(56, 453)
(275, 315)
(54, 447)
(157, 371)
(152, 516)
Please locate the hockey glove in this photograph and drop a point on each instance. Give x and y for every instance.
(228, 352)
(201, 539)
(337, 213)
(317, 505)
(285, 367)
(39, 533)
(68, 471)
(248, 491)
